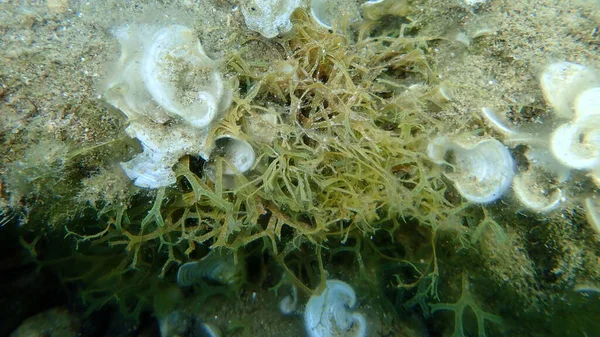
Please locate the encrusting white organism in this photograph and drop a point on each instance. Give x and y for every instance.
(533, 189)
(239, 157)
(577, 143)
(215, 266)
(269, 17)
(573, 92)
(273, 17)
(236, 151)
(171, 92)
(289, 304)
(374, 10)
(562, 82)
(331, 313)
(592, 210)
(163, 147)
(483, 169)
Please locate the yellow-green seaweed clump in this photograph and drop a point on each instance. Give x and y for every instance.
(343, 125)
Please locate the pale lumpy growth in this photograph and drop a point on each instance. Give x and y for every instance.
(483, 169)
(331, 313)
(269, 17)
(171, 92)
(182, 78)
(562, 82)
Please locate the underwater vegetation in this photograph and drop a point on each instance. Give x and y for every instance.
(340, 159)
(336, 189)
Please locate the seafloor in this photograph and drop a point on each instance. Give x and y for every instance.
(62, 144)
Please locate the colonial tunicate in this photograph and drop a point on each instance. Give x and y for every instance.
(534, 191)
(171, 92)
(289, 304)
(331, 313)
(588, 103)
(238, 152)
(327, 12)
(239, 157)
(562, 82)
(216, 267)
(497, 122)
(483, 169)
(269, 17)
(592, 211)
(577, 144)
(163, 146)
(376, 9)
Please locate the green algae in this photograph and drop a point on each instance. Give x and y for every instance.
(465, 301)
(344, 163)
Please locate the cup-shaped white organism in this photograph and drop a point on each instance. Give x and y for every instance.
(269, 17)
(324, 12)
(162, 73)
(238, 155)
(588, 103)
(329, 12)
(592, 212)
(332, 313)
(595, 176)
(562, 82)
(265, 128)
(374, 10)
(171, 92)
(534, 191)
(181, 78)
(577, 144)
(482, 169)
(237, 152)
(533, 188)
(497, 122)
(206, 329)
(289, 304)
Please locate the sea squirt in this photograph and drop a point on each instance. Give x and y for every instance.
(331, 313)
(171, 92)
